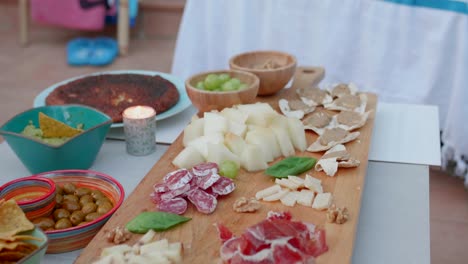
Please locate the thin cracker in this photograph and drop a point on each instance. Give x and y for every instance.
(53, 128)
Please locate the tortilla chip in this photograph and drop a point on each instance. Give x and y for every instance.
(12, 220)
(12, 256)
(53, 128)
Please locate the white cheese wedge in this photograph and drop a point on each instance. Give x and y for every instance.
(313, 184)
(279, 125)
(251, 158)
(156, 246)
(118, 249)
(188, 158)
(322, 201)
(276, 196)
(214, 122)
(329, 166)
(297, 134)
(305, 197)
(267, 191)
(193, 130)
(290, 198)
(174, 252)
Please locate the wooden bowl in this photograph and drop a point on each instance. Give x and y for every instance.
(274, 68)
(206, 101)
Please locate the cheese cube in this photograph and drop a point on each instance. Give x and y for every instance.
(322, 201)
(267, 192)
(305, 197)
(290, 198)
(313, 184)
(298, 180)
(276, 196)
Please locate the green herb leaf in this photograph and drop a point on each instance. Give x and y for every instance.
(290, 166)
(158, 221)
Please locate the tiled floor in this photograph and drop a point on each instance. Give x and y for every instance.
(27, 71)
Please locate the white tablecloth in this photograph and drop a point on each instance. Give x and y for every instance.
(404, 54)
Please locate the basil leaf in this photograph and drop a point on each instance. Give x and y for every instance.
(158, 221)
(290, 166)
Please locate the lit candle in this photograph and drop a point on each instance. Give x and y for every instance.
(139, 129)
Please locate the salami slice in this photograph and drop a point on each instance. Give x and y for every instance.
(175, 193)
(177, 179)
(204, 169)
(156, 197)
(160, 188)
(205, 203)
(175, 206)
(207, 181)
(223, 186)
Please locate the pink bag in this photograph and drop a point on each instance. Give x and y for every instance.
(69, 13)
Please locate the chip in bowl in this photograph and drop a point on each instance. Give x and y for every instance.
(53, 128)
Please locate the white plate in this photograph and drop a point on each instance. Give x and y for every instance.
(181, 105)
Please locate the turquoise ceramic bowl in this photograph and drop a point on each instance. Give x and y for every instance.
(73, 238)
(35, 196)
(36, 256)
(77, 153)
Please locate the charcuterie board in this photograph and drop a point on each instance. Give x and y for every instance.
(200, 237)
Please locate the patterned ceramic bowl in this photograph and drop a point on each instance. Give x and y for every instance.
(36, 196)
(64, 240)
(79, 152)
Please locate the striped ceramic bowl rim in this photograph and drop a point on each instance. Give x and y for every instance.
(13, 188)
(77, 237)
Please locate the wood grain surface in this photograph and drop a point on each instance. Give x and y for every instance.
(199, 236)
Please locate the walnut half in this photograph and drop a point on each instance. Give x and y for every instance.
(244, 205)
(337, 215)
(118, 235)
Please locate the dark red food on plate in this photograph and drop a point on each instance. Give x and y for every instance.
(113, 93)
(200, 186)
(277, 239)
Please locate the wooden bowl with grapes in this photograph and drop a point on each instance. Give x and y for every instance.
(216, 90)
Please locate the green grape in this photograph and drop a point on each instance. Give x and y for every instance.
(229, 86)
(236, 82)
(224, 77)
(212, 82)
(200, 85)
(229, 168)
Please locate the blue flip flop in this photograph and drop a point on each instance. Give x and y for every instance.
(79, 51)
(104, 51)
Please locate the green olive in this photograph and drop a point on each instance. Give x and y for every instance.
(44, 223)
(92, 216)
(86, 199)
(102, 201)
(89, 208)
(82, 191)
(63, 223)
(70, 197)
(71, 206)
(69, 188)
(97, 194)
(83, 223)
(77, 217)
(61, 213)
(104, 208)
(58, 200)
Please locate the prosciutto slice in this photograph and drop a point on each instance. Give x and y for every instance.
(277, 239)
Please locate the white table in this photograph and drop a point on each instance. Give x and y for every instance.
(394, 217)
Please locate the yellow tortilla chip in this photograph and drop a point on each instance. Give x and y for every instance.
(12, 220)
(53, 128)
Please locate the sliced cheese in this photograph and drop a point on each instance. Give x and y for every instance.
(267, 191)
(298, 180)
(322, 201)
(156, 246)
(287, 183)
(290, 198)
(276, 196)
(313, 184)
(305, 197)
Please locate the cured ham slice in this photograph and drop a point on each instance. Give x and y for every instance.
(277, 239)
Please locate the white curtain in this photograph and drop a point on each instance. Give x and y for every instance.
(405, 54)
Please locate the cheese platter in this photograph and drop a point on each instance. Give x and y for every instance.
(200, 236)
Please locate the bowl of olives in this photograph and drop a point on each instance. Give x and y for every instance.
(216, 90)
(84, 201)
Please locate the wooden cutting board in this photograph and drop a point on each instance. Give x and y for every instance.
(199, 236)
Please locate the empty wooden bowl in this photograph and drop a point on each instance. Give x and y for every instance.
(206, 101)
(274, 68)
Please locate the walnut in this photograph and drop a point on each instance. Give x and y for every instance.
(118, 235)
(244, 205)
(337, 215)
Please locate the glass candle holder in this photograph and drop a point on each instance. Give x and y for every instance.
(140, 130)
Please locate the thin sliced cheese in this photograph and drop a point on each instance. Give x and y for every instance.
(305, 197)
(287, 183)
(267, 191)
(276, 196)
(290, 198)
(322, 201)
(313, 184)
